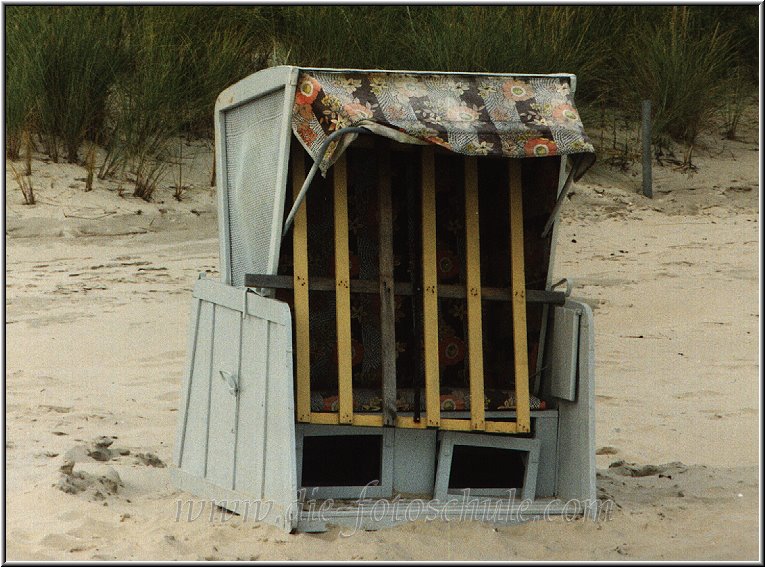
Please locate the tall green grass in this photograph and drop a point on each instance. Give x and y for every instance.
(739, 92)
(16, 77)
(144, 105)
(182, 59)
(682, 68)
(334, 36)
(527, 39)
(133, 79)
(67, 58)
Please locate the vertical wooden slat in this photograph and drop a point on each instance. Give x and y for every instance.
(387, 301)
(343, 294)
(430, 288)
(300, 279)
(518, 288)
(473, 262)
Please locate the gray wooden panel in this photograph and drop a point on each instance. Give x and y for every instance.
(248, 508)
(266, 308)
(193, 442)
(546, 430)
(414, 461)
(374, 517)
(451, 438)
(576, 425)
(251, 424)
(235, 297)
(253, 135)
(223, 401)
(565, 341)
(252, 407)
(280, 476)
(196, 306)
(387, 284)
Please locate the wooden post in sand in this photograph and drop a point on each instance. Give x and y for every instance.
(647, 181)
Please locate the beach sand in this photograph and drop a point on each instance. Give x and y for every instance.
(98, 291)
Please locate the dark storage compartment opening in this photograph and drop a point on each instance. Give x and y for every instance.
(341, 460)
(486, 467)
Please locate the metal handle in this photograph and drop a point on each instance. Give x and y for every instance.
(315, 168)
(569, 285)
(559, 203)
(231, 380)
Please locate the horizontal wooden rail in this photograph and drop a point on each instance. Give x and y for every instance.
(373, 286)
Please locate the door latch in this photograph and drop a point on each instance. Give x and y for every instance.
(232, 381)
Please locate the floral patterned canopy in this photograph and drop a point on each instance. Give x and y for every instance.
(478, 115)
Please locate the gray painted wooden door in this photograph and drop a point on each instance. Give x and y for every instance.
(236, 429)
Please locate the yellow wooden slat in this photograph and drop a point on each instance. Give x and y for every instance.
(407, 422)
(343, 294)
(473, 264)
(323, 418)
(367, 420)
(359, 419)
(455, 424)
(430, 288)
(518, 289)
(300, 281)
(501, 427)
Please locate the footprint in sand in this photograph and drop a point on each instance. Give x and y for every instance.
(150, 460)
(95, 486)
(104, 480)
(56, 409)
(624, 468)
(607, 450)
(609, 400)
(170, 396)
(696, 394)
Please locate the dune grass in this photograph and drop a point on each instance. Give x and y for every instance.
(25, 185)
(132, 78)
(20, 61)
(683, 69)
(66, 58)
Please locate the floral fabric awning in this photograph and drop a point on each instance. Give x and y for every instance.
(478, 115)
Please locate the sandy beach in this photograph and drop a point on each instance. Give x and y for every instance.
(98, 291)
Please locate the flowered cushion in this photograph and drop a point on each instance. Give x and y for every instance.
(452, 399)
